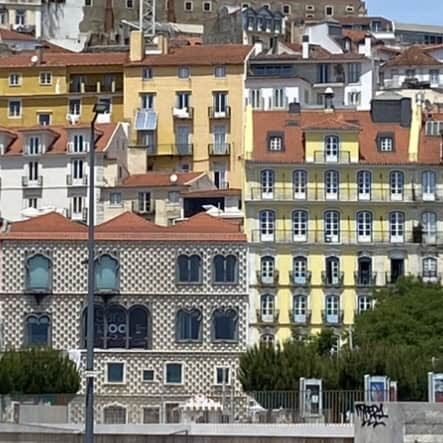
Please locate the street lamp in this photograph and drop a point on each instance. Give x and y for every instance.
(99, 108)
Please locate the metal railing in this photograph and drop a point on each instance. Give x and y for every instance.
(333, 281)
(300, 319)
(183, 113)
(219, 112)
(317, 193)
(268, 318)
(341, 157)
(268, 281)
(365, 279)
(219, 148)
(347, 237)
(301, 281)
(332, 319)
(71, 181)
(170, 149)
(28, 183)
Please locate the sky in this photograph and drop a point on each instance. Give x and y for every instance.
(408, 11)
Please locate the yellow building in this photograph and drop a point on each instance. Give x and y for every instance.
(187, 106)
(337, 203)
(46, 87)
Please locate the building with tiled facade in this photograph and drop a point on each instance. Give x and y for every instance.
(171, 307)
(337, 203)
(47, 167)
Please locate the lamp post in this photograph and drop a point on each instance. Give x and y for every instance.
(99, 108)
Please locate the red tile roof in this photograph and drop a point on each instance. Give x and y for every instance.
(294, 125)
(161, 179)
(416, 55)
(8, 34)
(59, 134)
(126, 227)
(355, 35)
(209, 193)
(336, 124)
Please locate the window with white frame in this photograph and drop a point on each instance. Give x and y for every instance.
(129, 4)
(174, 373)
(77, 166)
(151, 415)
(255, 98)
(267, 307)
(397, 183)
(434, 76)
(275, 143)
(364, 303)
(267, 225)
(331, 185)
(300, 270)
(20, 17)
(267, 179)
(299, 225)
(332, 309)
(299, 183)
(46, 78)
(147, 102)
(77, 206)
(114, 414)
(332, 226)
(299, 308)
(267, 269)
(34, 145)
(332, 274)
(354, 72)
(33, 171)
(15, 79)
(207, 6)
(364, 185)
(286, 9)
(429, 185)
(332, 143)
(364, 226)
(74, 106)
(429, 227)
(220, 102)
(385, 143)
(144, 202)
(354, 98)
(188, 7)
(147, 73)
(329, 11)
(434, 128)
(14, 108)
(78, 143)
(115, 198)
(278, 98)
(429, 268)
(397, 227)
(32, 203)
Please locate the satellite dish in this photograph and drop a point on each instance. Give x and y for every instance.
(173, 178)
(34, 59)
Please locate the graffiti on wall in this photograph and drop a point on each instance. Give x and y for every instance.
(371, 415)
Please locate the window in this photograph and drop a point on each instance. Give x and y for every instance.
(332, 309)
(34, 145)
(278, 98)
(225, 269)
(20, 17)
(107, 102)
(182, 100)
(151, 415)
(220, 71)
(224, 324)
(397, 180)
(88, 2)
(32, 203)
(77, 207)
(267, 183)
(286, 9)
(299, 225)
(434, 76)
(38, 273)
(4, 16)
(364, 275)
(299, 183)
(222, 376)
(144, 202)
(174, 373)
(300, 270)
(275, 143)
(267, 269)
(188, 325)
(329, 11)
(332, 275)
(267, 225)
(332, 226)
(147, 102)
(45, 78)
(220, 102)
(364, 226)
(38, 330)
(429, 268)
(332, 143)
(385, 143)
(299, 308)
(434, 128)
(354, 72)
(15, 79)
(428, 180)
(323, 73)
(429, 227)
(115, 415)
(147, 73)
(183, 72)
(77, 168)
(255, 98)
(106, 274)
(219, 133)
(331, 185)
(74, 106)
(397, 227)
(33, 171)
(115, 199)
(207, 6)
(364, 185)
(118, 327)
(410, 73)
(14, 108)
(44, 119)
(364, 303)
(189, 269)
(349, 8)
(354, 98)
(115, 373)
(267, 305)
(129, 4)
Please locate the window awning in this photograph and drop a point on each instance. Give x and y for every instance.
(146, 120)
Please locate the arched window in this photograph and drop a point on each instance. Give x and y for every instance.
(300, 270)
(267, 307)
(299, 182)
(429, 268)
(332, 185)
(224, 324)
(429, 226)
(138, 327)
(397, 227)
(38, 330)
(114, 415)
(225, 269)
(267, 225)
(364, 226)
(188, 325)
(267, 340)
(189, 269)
(299, 308)
(397, 183)
(364, 183)
(332, 309)
(38, 273)
(267, 183)
(106, 274)
(267, 269)
(332, 144)
(300, 225)
(332, 226)
(332, 275)
(428, 183)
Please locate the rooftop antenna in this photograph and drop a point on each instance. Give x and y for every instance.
(147, 17)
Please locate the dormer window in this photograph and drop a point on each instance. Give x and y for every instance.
(385, 142)
(275, 142)
(34, 145)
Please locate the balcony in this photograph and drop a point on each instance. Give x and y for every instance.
(27, 183)
(342, 157)
(97, 87)
(346, 237)
(365, 279)
(167, 149)
(71, 181)
(183, 113)
(331, 318)
(268, 281)
(74, 148)
(300, 281)
(300, 319)
(332, 281)
(219, 149)
(219, 113)
(81, 216)
(268, 317)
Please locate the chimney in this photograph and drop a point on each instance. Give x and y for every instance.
(137, 46)
(162, 43)
(305, 47)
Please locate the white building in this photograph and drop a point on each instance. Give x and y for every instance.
(47, 167)
(21, 15)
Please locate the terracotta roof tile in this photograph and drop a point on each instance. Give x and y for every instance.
(51, 222)
(161, 179)
(232, 54)
(59, 134)
(208, 193)
(355, 35)
(337, 124)
(204, 223)
(8, 34)
(128, 222)
(294, 125)
(413, 56)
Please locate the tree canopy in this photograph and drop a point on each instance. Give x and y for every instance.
(402, 337)
(37, 371)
